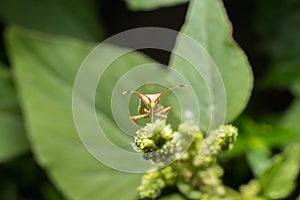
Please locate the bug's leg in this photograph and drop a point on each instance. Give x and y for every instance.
(136, 117)
(162, 112)
(159, 111)
(147, 113)
(146, 110)
(161, 116)
(167, 109)
(159, 108)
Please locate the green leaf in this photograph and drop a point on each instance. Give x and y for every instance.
(45, 68)
(64, 17)
(207, 24)
(153, 4)
(280, 180)
(259, 160)
(13, 142)
(291, 117)
(296, 87)
(172, 197)
(8, 98)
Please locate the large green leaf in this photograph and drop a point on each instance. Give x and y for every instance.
(63, 17)
(280, 180)
(153, 4)
(207, 24)
(45, 67)
(12, 135)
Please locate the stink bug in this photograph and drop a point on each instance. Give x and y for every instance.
(149, 107)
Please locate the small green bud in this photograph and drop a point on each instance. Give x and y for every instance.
(251, 190)
(227, 135)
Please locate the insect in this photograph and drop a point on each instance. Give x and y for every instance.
(149, 107)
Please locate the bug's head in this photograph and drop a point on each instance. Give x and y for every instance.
(150, 100)
(147, 100)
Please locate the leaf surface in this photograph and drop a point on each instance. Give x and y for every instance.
(207, 24)
(62, 17)
(45, 67)
(151, 5)
(13, 141)
(280, 179)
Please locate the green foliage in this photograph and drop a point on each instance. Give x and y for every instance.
(277, 180)
(279, 41)
(37, 117)
(261, 136)
(63, 17)
(172, 197)
(22, 178)
(195, 171)
(207, 23)
(280, 179)
(153, 137)
(291, 117)
(280, 33)
(150, 5)
(46, 94)
(258, 159)
(13, 142)
(8, 97)
(251, 191)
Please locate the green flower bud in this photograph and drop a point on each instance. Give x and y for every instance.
(227, 135)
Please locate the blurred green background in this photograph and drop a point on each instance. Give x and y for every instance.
(268, 31)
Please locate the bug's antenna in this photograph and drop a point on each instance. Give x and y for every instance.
(172, 88)
(130, 91)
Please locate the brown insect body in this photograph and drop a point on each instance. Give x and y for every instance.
(149, 107)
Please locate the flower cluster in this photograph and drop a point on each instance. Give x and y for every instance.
(155, 141)
(153, 183)
(194, 172)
